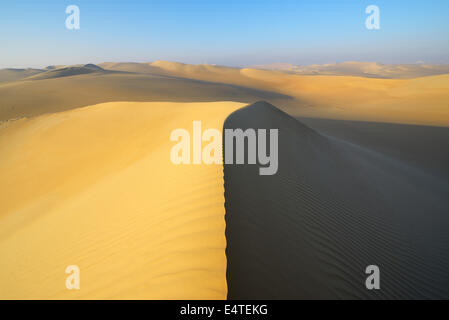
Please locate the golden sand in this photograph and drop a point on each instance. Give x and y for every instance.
(94, 187)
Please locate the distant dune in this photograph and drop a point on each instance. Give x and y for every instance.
(332, 209)
(362, 69)
(410, 99)
(68, 72)
(146, 68)
(7, 75)
(95, 187)
(420, 100)
(54, 92)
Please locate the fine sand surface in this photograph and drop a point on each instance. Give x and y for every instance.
(95, 187)
(332, 209)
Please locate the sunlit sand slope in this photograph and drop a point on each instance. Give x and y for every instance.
(332, 209)
(95, 187)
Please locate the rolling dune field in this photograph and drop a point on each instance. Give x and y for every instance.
(86, 179)
(415, 100)
(421, 100)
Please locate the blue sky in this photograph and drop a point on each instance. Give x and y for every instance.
(228, 32)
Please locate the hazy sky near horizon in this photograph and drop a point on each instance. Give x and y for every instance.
(228, 32)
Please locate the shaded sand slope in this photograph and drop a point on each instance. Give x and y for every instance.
(424, 147)
(34, 97)
(95, 187)
(331, 210)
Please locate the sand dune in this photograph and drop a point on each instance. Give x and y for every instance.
(8, 75)
(68, 72)
(362, 69)
(91, 184)
(95, 187)
(145, 68)
(332, 209)
(422, 100)
(355, 98)
(30, 98)
(414, 100)
(11, 75)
